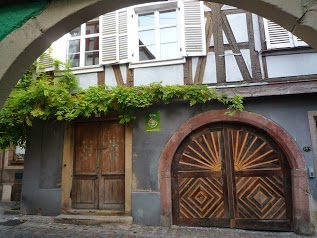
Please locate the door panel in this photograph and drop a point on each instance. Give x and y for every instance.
(112, 167)
(86, 195)
(112, 196)
(86, 148)
(231, 175)
(98, 181)
(85, 182)
(199, 181)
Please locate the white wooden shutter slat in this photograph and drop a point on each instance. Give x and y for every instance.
(299, 42)
(193, 28)
(277, 36)
(123, 36)
(109, 38)
(45, 62)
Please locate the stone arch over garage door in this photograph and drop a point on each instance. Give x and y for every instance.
(21, 47)
(301, 213)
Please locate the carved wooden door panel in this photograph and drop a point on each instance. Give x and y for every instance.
(85, 174)
(230, 175)
(112, 167)
(98, 175)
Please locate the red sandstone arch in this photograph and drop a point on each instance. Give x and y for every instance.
(301, 213)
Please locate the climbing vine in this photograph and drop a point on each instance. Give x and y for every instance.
(45, 96)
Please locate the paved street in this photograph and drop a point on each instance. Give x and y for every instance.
(40, 226)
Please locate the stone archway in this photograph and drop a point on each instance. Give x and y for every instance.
(22, 46)
(301, 213)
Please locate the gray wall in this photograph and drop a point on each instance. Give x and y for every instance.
(290, 112)
(41, 186)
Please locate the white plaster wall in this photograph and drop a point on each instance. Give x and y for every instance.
(110, 78)
(168, 75)
(291, 65)
(233, 73)
(210, 75)
(87, 80)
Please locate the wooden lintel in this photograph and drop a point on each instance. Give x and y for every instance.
(233, 11)
(118, 75)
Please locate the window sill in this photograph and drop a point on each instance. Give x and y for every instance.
(144, 64)
(288, 51)
(87, 69)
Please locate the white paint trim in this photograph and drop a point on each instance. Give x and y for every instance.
(88, 69)
(144, 64)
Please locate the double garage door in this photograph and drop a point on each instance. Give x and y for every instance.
(231, 175)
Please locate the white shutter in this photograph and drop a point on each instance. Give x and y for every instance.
(277, 36)
(45, 62)
(299, 42)
(114, 37)
(109, 38)
(123, 35)
(193, 28)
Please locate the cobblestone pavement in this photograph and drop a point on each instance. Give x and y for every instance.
(41, 226)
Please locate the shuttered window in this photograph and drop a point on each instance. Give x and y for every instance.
(277, 37)
(139, 34)
(167, 31)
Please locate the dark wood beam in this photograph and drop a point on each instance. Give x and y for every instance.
(270, 89)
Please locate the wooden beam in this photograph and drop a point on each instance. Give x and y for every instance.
(218, 40)
(101, 78)
(188, 74)
(241, 45)
(254, 55)
(130, 76)
(271, 89)
(117, 74)
(235, 49)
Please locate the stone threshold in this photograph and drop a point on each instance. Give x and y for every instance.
(92, 219)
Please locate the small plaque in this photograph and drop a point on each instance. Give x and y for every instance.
(152, 122)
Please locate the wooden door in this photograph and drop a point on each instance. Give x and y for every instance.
(98, 175)
(230, 175)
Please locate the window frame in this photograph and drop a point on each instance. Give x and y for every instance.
(82, 45)
(155, 8)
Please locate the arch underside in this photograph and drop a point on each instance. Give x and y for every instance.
(20, 48)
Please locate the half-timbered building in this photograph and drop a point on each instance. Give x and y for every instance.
(251, 170)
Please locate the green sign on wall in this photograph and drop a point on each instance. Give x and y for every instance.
(152, 122)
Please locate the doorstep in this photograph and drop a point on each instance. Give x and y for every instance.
(92, 219)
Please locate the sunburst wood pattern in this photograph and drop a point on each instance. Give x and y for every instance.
(231, 175)
(251, 152)
(201, 198)
(202, 154)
